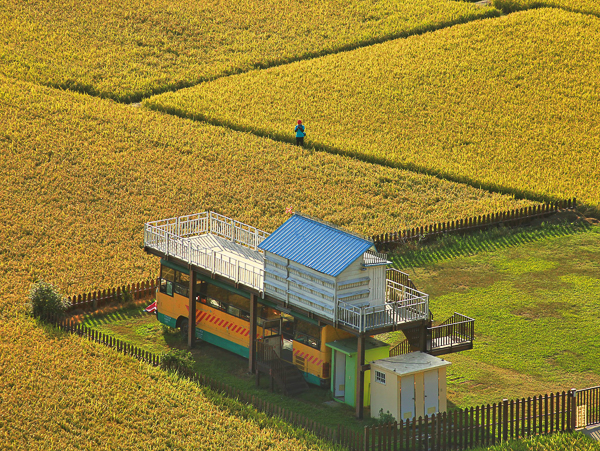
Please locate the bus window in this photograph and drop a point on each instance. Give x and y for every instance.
(182, 290)
(166, 287)
(216, 304)
(167, 273)
(308, 334)
(233, 311)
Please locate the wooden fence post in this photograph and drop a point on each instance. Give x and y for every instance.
(573, 409)
(505, 420)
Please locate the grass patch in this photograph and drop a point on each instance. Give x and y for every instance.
(508, 104)
(556, 442)
(533, 293)
(143, 330)
(130, 50)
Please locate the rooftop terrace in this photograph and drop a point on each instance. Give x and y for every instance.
(228, 248)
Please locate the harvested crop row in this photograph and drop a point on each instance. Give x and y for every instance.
(128, 50)
(510, 103)
(61, 392)
(577, 6)
(79, 176)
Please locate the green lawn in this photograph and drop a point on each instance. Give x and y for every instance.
(534, 294)
(143, 330)
(557, 442)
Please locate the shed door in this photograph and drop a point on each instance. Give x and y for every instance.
(431, 392)
(339, 378)
(407, 397)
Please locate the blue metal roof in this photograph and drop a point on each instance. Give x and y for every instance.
(318, 246)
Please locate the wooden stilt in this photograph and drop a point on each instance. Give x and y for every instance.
(192, 310)
(360, 376)
(252, 335)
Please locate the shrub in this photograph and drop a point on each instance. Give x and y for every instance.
(45, 300)
(176, 360)
(385, 418)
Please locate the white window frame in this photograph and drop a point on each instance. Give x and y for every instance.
(380, 377)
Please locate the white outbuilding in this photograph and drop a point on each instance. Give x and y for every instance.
(408, 386)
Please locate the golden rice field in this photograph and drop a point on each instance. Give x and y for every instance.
(578, 6)
(79, 176)
(62, 392)
(510, 103)
(128, 50)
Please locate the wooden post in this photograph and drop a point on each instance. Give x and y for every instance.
(505, 420)
(573, 409)
(192, 310)
(252, 335)
(360, 376)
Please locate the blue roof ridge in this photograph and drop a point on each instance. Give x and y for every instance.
(335, 227)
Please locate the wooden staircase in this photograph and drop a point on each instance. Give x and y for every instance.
(453, 335)
(286, 375)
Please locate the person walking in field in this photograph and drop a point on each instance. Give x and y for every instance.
(300, 134)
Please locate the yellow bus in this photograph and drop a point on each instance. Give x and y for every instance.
(223, 319)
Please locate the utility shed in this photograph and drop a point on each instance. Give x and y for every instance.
(408, 386)
(322, 268)
(344, 361)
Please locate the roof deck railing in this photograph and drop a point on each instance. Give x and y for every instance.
(173, 237)
(214, 223)
(403, 304)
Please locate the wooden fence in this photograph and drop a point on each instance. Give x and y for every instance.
(457, 430)
(478, 426)
(508, 218)
(91, 301)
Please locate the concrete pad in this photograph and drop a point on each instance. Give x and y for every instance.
(593, 432)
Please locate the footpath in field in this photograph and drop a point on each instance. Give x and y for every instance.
(577, 6)
(129, 50)
(79, 177)
(534, 296)
(508, 103)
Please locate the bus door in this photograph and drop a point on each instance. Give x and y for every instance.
(272, 334)
(288, 329)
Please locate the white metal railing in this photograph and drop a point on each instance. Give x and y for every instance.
(214, 223)
(172, 237)
(374, 258)
(236, 231)
(403, 304)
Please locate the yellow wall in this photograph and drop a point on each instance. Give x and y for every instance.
(385, 396)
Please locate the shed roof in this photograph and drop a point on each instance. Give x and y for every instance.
(406, 364)
(319, 246)
(349, 346)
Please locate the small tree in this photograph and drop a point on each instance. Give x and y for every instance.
(176, 359)
(45, 299)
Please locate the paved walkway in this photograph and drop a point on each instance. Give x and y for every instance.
(593, 432)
